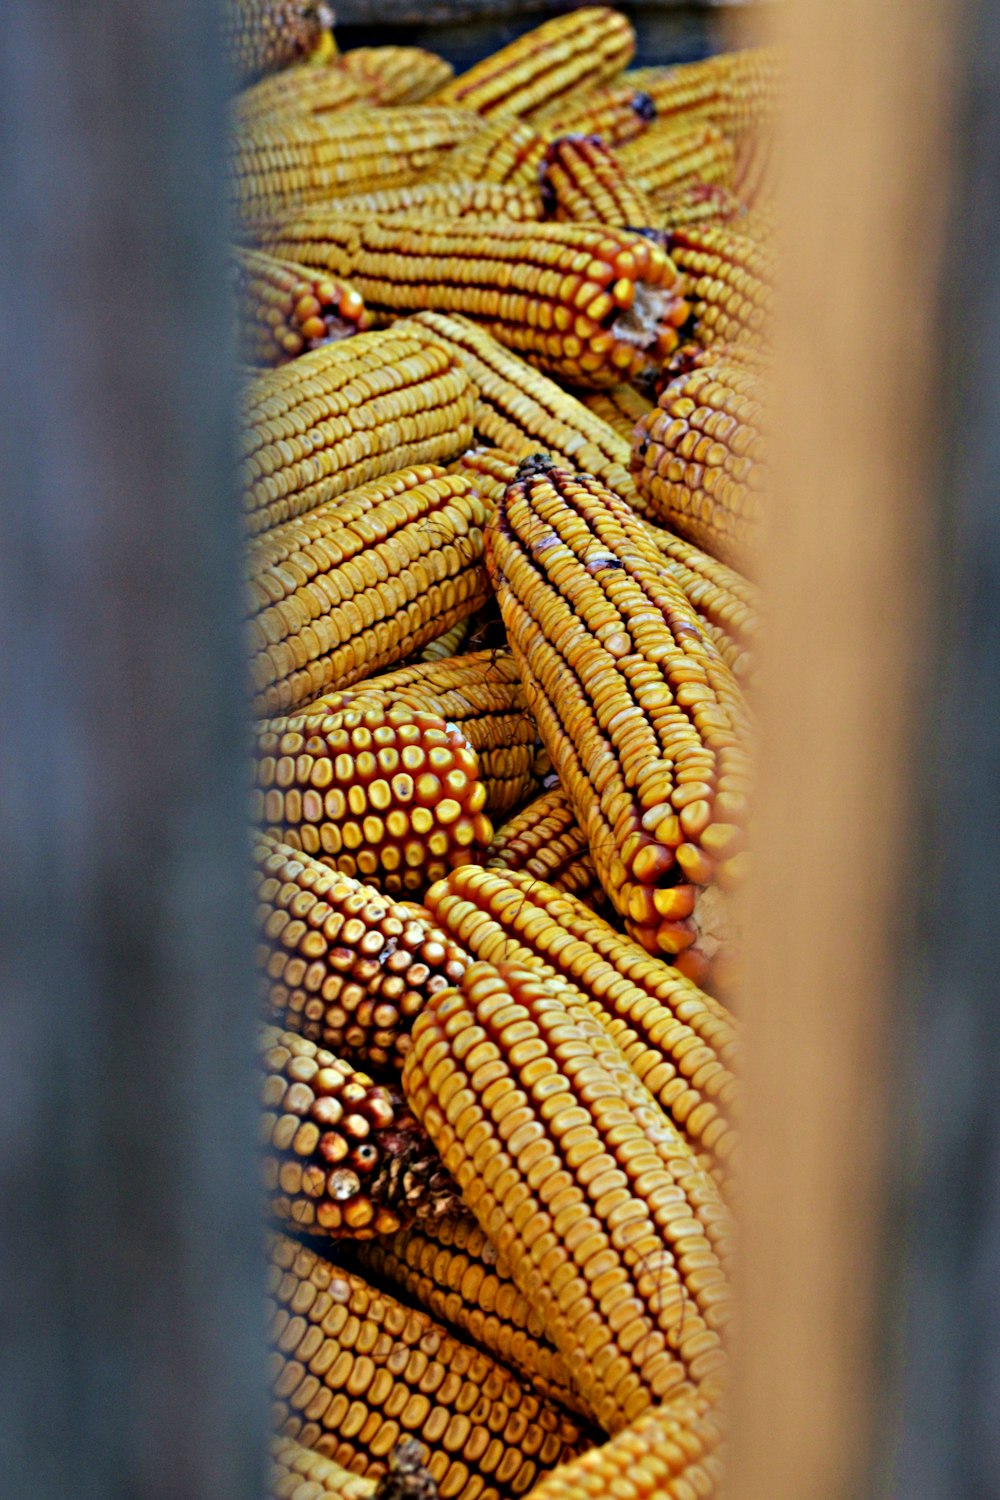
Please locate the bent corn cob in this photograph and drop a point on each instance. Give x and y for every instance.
(545, 841)
(617, 113)
(548, 1153)
(340, 964)
(570, 53)
(298, 1473)
(621, 407)
(396, 75)
(346, 414)
(670, 157)
(353, 1371)
(644, 722)
(285, 309)
(388, 794)
(261, 36)
(729, 279)
(342, 1154)
(698, 459)
(583, 179)
(504, 151)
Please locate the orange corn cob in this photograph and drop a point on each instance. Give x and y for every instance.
(504, 150)
(584, 179)
(395, 75)
(261, 36)
(285, 309)
(362, 583)
(617, 113)
(669, 157)
(298, 1473)
(545, 841)
(565, 55)
(728, 278)
(621, 407)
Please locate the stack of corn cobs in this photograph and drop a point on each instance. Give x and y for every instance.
(501, 473)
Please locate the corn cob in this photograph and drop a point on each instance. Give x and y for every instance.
(504, 150)
(617, 113)
(544, 840)
(564, 55)
(454, 1273)
(481, 696)
(343, 1156)
(261, 36)
(347, 414)
(583, 179)
(490, 469)
(754, 89)
(440, 199)
(599, 1234)
(304, 89)
(700, 203)
(353, 1370)
(395, 75)
(288, 162)
(698, 458)
(448, 645)
(645, 724)
(340, 964)
(670, 157)
(755, 178)
(285, 309)
(621, 407)
(298, 1473)
(734, 90)
(727, 604)
(388, 794)
(760, 224)
(728, 279)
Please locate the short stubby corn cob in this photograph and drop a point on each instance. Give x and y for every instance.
(288, 162)
(669, 157)
(699, 460)
(480, 695)
(565, 55)
(342, 1154)
(702, 203)
(550, 1157)
(354, 1371)
(673, 1452)
(388, 795)
(298, 1473)
(349, 413)
(447, 645)
(454, 1272)
(521, 410)
(505, 150)
(396, 75)
(617, 113)
(727, 604)
(305, 89)
(729, 279)
(545, 841)
(644, 722)
(261, 36)
(584, 179)
(341, 964)
(621, 407)
(284, 309)
(362, 583)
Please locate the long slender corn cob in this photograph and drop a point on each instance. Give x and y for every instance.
(698, 459)
(453, 1272)
(490, 469)
(570, 53)
(340, 964)
(448, 645)
(599, 1234)
(545, 841)
(617, 113)
(729, 280)
(347, 414)
(644, 722)
(443, 199)
(298, 1473)
(701, 203)
(669, 157)
(343, 1156)
(304, 89)
(584, 179)
(390, 795)
(481, 696)
(735, 90)
(260, 36)
(504, 150)
(396, 75)
(285, 309)
(727, 604)
(353, 1371)
(621, 407)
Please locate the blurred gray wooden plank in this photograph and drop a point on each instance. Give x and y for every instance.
(130, 1279)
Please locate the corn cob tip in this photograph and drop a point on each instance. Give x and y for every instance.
(407, 1478)
(536, 463)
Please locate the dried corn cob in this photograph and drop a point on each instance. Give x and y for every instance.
(340, 964)
(583, 179)
(545, 841)
(447, 645)
(304, 89)
(504, 151)
(454, 1272)
(727, 604)
(285, 309)
(347, 414)
(698, 458)
(621, 407)
(490, 469)
(669, 157)
(754, 88)
(760, 224)
(735, 90)
(728, 279)
(568, 54)
(260, 36)
(298, 1473)
(645, 724)
(388, 794)
(396, 75)
(441, 199)
(544, 1144)
(756, 177)
(288, 162)
(617, 113)
(343, 1156)
(481, 696)
(353, 1370)
(701, 203)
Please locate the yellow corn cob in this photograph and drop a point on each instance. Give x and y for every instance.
(490, 469)
(505, 150)
(347, 414)
(698, 459)
(584, 179)
(756, 174)
(288, 162)
(621, 407)
(754, 89)
(285, 309)
(570, 53)
(440, 199)
(340, 964)
(669, 157)
(362, 583)
(728, 278)
(353, 1370)
(342, 1154)
(699, 203)
(734, 90)
(390, 795)
(260, 36)
(644, 722)
(304, 89)
(451, 1269)
(545, 841)
(599, 1233)
(298, 1473)
(447, 645)
(395, 75)
(617, 113)
(727, 604)
(480, 695)
(760, 224)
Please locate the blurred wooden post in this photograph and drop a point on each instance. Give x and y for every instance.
(130, 1273)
